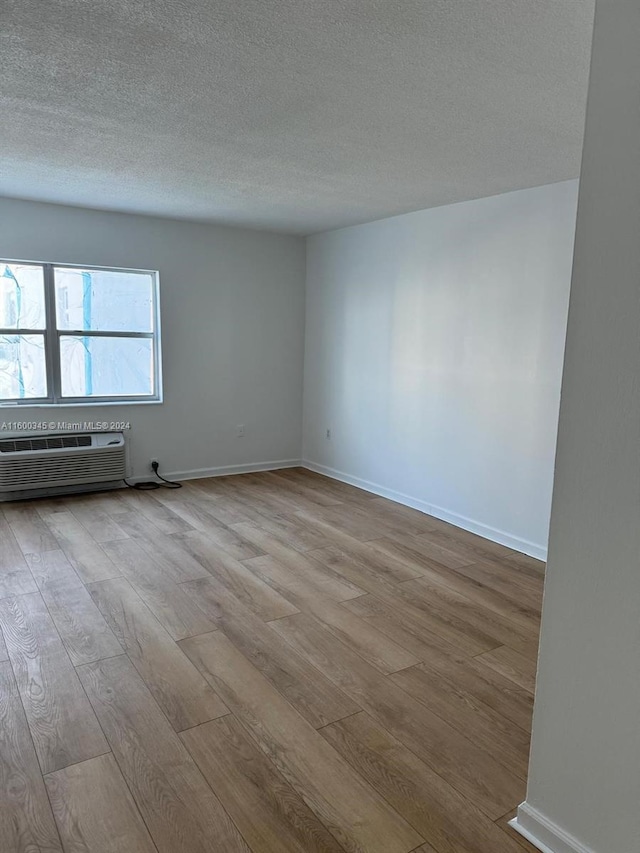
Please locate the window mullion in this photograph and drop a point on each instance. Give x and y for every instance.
(51, 336)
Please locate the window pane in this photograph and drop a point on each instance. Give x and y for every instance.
(103, 300)
(21, 296)
(23, 373)
(106, 367)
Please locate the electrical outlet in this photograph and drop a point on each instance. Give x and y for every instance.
(328, 435)
(153, 464)
(240, 431)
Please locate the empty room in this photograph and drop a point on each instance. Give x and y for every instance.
(319, 426)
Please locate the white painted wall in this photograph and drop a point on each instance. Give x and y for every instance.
(584, 781)
(232, 303)
(434, 347)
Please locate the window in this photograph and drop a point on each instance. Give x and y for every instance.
(77, 335)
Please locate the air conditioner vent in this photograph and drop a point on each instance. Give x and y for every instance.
(47, 442)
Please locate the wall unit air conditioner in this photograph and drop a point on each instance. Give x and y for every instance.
(44, 465)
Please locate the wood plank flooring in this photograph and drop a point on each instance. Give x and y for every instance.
(263, 663)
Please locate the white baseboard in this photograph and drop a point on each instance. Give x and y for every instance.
(222, 471)
(544, 833)
(492, 533)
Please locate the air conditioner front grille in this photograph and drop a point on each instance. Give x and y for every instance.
(46, 442)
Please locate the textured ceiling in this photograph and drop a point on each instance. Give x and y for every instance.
(292, 115)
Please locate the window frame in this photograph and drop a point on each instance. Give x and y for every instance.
(53, 335)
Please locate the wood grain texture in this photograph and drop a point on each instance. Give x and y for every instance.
(406, 519)
(202, 501)
(83, 552)
(248, 588)
(30, 531)
(371, 644)
(408, 629)
(15, 577)
(512, 665)
(446, 819)
(487, 728)
(88, 509)
(4, 654)
(500, 577)
(464, 541)
(330, 583)
(286, 482)
(525, 565)
(52, 567)
(365, 554)
(111, 501)
(342, 492)
(446, 622)
(201, 515)
(441, 659)
(94, 810)
(156, 513)
(349, 674)
(253, 495)
(358, 523)
(175, 561)
(47, 506)
(266, 508)
(326, 782)
(272, 817)
(181, 812)
(424, 546)
(182, 693)
(525, 611)
(26, 821)
(157, 588)
(212, 496)
(313, 695)
(448, 602)
(62, 723)
(290, 531)
(85, 634)
(472, 770)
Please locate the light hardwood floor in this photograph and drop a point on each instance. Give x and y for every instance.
(273, 662)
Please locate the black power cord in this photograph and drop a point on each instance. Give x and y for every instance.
(149, 485)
